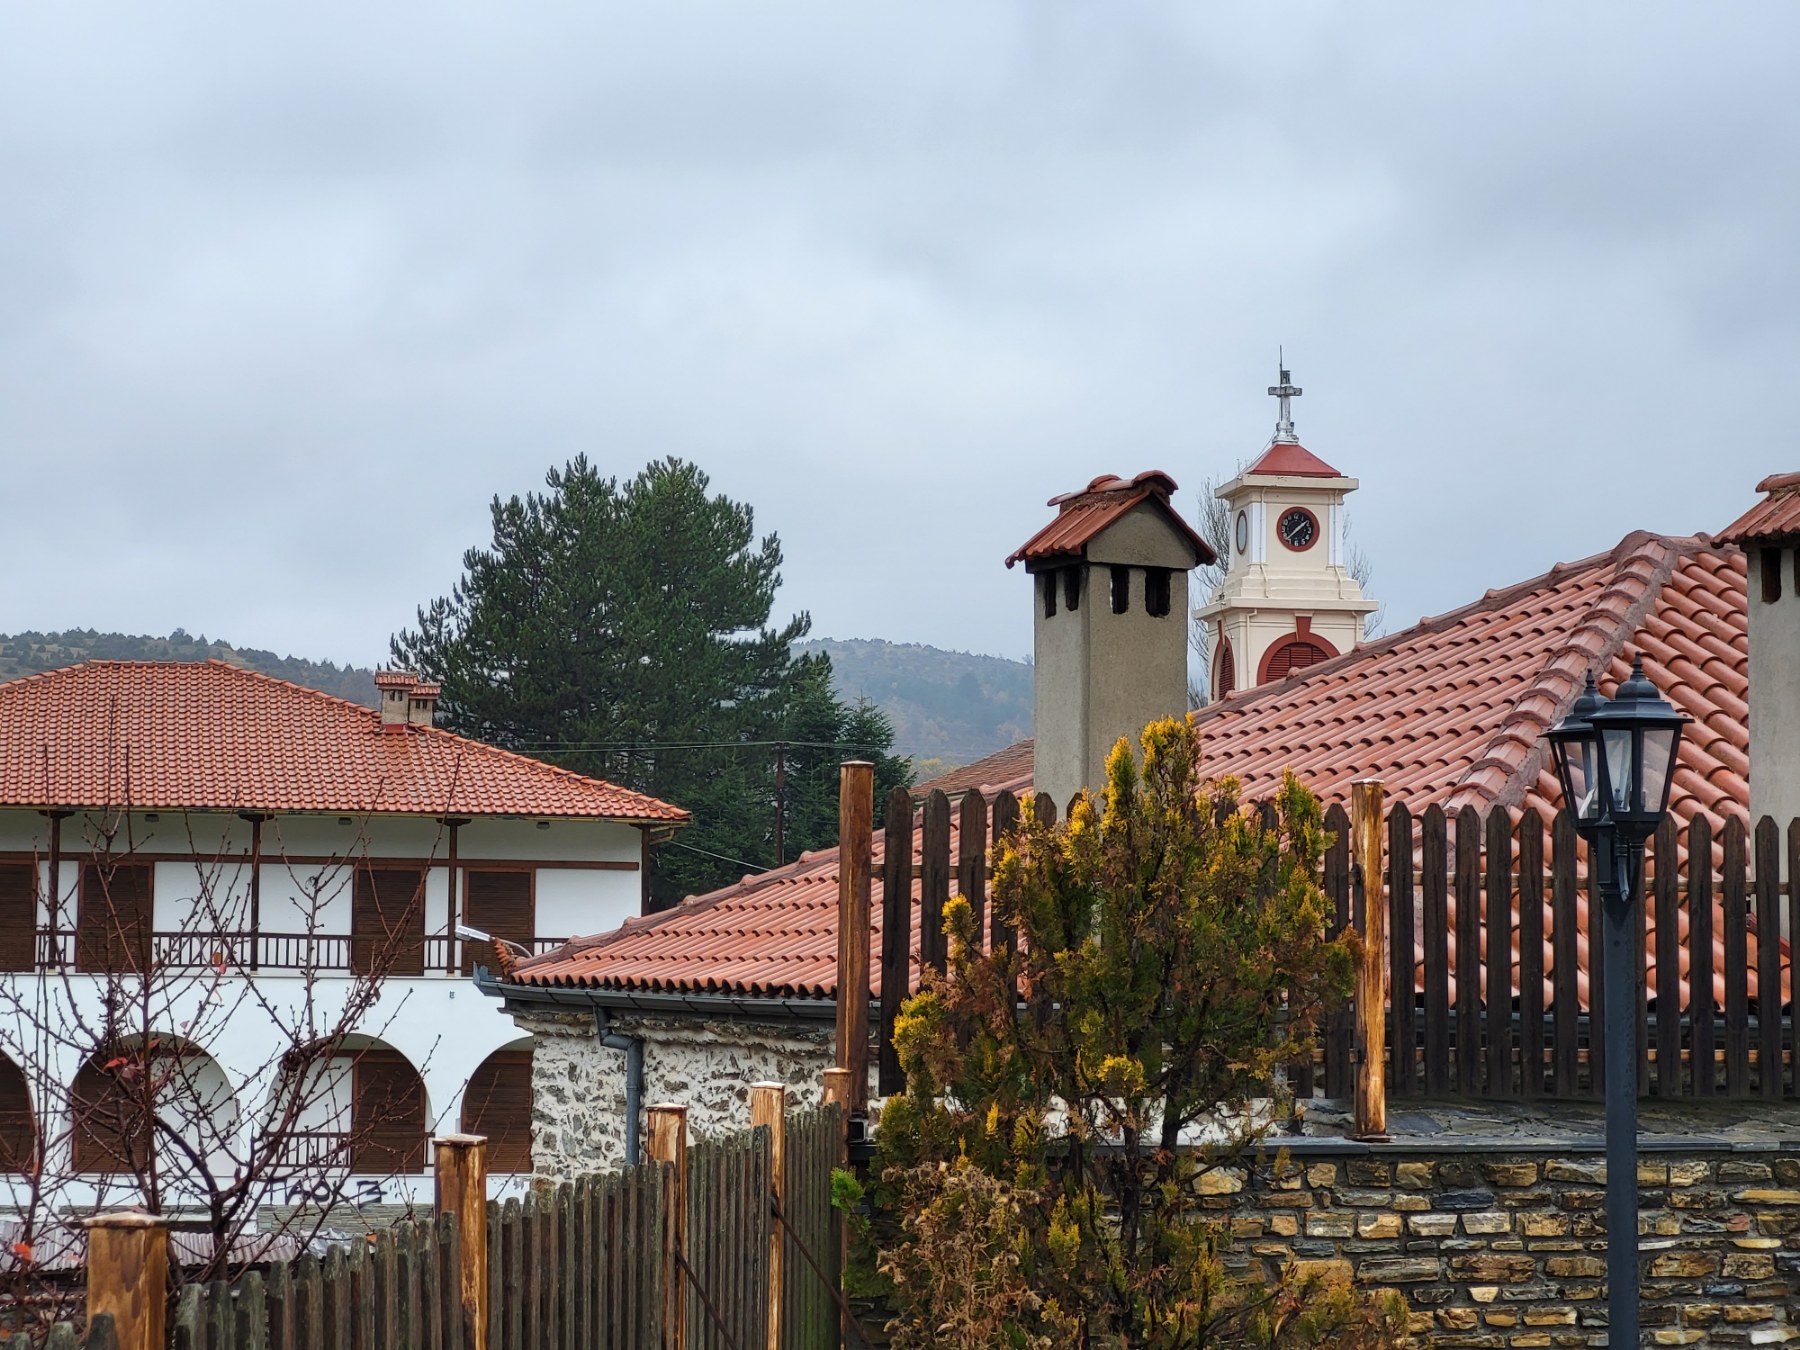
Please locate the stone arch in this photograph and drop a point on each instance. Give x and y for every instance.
(497, 1105)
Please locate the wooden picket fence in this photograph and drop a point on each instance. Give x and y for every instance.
(679, 1251)
(1491, 994)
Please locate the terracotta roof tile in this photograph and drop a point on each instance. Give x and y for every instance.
(1003, 766)
(1290, 459)
(210, 736)
(1775, 516)
(1450, 711)
(1081, 516)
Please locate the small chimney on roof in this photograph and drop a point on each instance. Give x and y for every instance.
(422, 710)
(1109, 592)
(1769, 534)
(396, 688)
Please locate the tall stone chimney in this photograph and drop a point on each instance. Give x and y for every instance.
(1109, 593)
(1769, 533)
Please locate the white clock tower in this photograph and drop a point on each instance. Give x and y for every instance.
(1287, 601)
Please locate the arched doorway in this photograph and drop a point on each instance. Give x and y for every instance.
(18, 1133)
(125, 1095)
(497, 1105)
(356, 1105)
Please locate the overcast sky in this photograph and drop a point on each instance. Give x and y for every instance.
(288, 293)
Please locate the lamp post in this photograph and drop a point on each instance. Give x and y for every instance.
(1615, 758)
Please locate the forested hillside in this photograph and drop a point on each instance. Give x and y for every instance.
(29, 653)
(947, 708)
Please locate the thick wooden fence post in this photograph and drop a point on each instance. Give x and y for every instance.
(128, 1276)
(1371, 983)
(461, 1166)
(856, 816)
(668, 1144)
(768, 1106)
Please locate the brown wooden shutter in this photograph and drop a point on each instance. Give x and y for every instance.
(111, 1128)
(499, 903)
(18, 916)
(1227, 680)
(387, 1115)
(18, 1142)
(387, 922)
(1294, 655)
(497, 1104)
(112, 932)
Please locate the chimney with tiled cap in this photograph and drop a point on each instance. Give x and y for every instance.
(1769, 533)
(422, 703)
(396, 687)
(1110, 599)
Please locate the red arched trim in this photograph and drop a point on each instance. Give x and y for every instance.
(1291, 654)
(1225, 673)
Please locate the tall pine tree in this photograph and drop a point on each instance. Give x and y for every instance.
(623, 630)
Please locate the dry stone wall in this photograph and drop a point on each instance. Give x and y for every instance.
(1497, 1250)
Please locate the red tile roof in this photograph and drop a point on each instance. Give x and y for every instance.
(1448, 711)
(210, 736)
(1011, 765)
(1291, 460)
(1775, 516)
(1082, 515)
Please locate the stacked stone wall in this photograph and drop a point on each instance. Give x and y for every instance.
(1498, 1250)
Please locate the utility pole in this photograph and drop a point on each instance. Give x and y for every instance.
(781, 803)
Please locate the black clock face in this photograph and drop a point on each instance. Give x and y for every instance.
(1298, 528)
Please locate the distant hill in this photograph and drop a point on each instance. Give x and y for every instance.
(948, 708)
(29, 653)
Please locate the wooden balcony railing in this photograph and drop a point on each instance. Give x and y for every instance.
(243, 952)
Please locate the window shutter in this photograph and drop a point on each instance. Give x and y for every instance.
(499, 903)
(387, 922)
(111, 1130)
(112, 933)
(387, 1115)
(497, 1105)
(18, 916)
(1227, 679)
(1294, 655)
(18, 1144)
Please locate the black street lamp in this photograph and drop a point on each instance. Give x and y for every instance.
(1615, 758)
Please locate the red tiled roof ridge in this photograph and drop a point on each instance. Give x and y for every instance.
(1517, 748)
(663, 811)
(1777, 482)
(1494, 599)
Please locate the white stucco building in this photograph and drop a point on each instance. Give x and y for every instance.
(264, 884)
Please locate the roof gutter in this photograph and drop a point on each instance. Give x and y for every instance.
(521, 997)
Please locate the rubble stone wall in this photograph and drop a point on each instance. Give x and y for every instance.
(578, 1085)
(1508, 1249)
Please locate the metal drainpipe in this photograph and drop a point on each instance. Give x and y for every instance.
(633, 1046)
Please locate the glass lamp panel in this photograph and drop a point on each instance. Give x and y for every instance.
(1578, 780)
(1616, 745)
(1659, 766)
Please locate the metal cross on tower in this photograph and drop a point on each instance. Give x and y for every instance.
(1287, 389)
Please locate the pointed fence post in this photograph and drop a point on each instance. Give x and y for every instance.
(768, 1106)
(668, 1144)
(856, 816)
(128, 1276)
(1371, 981)
(461, 1167)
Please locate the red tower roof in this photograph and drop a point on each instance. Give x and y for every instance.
(1293, 460)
